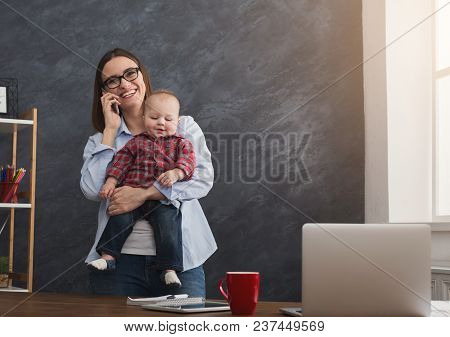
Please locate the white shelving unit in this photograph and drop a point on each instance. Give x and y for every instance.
(12, 127)
(15, 205)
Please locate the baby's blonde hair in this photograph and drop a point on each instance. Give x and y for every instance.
(165, 92)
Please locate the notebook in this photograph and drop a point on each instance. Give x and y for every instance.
(152, 300)
(187, 305)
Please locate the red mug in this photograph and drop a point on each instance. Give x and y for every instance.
(243, 291)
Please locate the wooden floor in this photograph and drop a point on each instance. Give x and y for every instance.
(69, 305)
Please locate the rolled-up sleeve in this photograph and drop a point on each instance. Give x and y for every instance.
(203, 176)
(96, 158)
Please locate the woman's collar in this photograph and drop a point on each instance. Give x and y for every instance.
(123, 127)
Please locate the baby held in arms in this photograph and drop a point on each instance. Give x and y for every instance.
(157, 154)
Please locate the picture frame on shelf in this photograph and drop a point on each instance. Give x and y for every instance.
(9, 98)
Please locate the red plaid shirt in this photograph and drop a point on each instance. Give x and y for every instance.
(140, 162)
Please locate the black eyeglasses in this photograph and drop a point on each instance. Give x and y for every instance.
(114, 81)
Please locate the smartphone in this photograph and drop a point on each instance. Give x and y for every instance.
(116, 108)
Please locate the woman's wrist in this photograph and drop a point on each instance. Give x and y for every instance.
(152, 193)
(109, 136)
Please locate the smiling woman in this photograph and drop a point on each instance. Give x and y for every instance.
(114, 66)
(122, 81)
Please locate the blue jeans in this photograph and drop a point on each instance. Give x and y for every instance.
(166, 223)
(135, 275)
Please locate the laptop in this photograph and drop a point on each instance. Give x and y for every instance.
(366, 270)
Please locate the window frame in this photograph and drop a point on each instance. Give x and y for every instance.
(437, 74)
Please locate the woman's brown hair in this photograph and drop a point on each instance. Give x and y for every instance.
(98, 119)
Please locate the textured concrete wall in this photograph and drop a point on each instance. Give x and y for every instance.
(238, 66)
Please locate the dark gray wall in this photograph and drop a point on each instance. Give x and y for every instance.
(238, 66)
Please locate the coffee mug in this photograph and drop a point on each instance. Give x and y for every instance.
(243, 291)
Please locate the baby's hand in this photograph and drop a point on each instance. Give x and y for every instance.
(107, 190)
(168, 178)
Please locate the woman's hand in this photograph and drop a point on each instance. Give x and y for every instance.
(126, 199)
(110, 104)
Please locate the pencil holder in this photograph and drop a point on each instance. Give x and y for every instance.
(8, 192)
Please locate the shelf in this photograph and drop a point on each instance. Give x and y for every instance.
(14, 289)
(8, 125)
(14, 205)
(27, 119)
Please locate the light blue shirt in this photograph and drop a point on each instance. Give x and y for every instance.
(198, 240)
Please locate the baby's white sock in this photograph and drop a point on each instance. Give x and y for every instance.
(100, 264)
(171, 278)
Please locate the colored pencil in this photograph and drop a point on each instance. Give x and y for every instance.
(11, 177)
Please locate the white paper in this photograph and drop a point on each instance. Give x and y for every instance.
(3, 100)
(147, 300)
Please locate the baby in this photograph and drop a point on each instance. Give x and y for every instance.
(154, 155)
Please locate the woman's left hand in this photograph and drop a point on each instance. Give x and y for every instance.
(126, 199)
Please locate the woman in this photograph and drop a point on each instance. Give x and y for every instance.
(121, 86)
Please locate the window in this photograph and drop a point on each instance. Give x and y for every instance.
(441, 108)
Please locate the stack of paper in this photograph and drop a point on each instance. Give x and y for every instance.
(153, 300)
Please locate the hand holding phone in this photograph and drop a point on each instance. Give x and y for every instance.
(111, 112)
(111, 99)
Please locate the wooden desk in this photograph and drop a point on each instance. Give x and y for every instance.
(69, 305)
